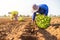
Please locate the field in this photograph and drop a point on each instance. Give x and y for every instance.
(25, 30)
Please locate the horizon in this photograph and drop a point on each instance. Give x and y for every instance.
(24, 7)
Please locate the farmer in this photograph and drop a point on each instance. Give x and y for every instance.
(14, 15)
(41, 9)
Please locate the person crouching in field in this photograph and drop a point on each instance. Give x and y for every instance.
(41, 9)
(14, 15)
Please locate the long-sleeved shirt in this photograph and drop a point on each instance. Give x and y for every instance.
(43, 9)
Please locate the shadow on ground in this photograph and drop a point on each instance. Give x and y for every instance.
(56, 25)
(28, 38)
(47, 35)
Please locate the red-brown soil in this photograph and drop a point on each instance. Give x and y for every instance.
(25, 30)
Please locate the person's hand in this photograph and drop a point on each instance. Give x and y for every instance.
(32, 21)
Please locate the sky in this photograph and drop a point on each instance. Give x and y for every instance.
(24, 7)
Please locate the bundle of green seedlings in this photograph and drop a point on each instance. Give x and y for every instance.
(42, 21)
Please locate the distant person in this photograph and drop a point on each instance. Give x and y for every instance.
(14, 15)
(41, 9)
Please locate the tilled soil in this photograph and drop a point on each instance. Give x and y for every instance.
(25, 30)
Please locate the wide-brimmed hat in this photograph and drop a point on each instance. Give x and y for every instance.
(35, 7)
